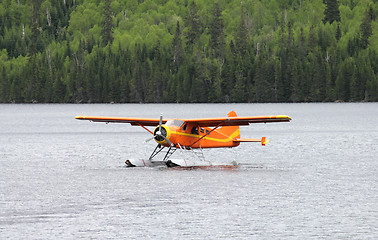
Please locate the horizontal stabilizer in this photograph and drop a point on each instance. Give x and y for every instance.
(263, 140)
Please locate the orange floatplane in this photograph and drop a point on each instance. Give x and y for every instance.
(190, 135)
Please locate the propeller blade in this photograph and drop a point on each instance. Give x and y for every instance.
(149, 139)
(160, 121)
(158, 133)
(166, 139)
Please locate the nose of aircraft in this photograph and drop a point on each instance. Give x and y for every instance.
(162, 135)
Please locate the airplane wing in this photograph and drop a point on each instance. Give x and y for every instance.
(231, 120)
(237, 121)
(133, 121)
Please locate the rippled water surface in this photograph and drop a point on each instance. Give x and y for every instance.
(63, 178)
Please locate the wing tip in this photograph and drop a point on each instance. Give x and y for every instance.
(283, 117)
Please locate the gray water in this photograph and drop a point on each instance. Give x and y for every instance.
(62, 178)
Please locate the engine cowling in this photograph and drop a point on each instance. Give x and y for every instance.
(161, 137)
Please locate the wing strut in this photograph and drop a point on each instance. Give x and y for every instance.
(220, 124)
(145, 128)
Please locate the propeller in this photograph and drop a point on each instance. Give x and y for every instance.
(158, 133)
(161, 133)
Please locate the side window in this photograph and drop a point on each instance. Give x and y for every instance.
(202, 130)
(185, 127)
(194, 130)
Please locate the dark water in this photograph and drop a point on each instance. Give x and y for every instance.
(62, 178)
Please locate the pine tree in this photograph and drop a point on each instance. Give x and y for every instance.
(4, 85)
(366, 30)
(107, 24)
(261, 80)
(317, 91)
(177, 48)
(35, 27)
(338, 32)
(194, 25)
(332, 12)
(59, 91)
(239, 93)
(217, 38)
(372, 90)
(344, 79)
(228, 74)
(241, 36)
(16, 90)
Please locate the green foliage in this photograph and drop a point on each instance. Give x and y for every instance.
(188, 51)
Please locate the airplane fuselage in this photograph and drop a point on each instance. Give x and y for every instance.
(180, 133)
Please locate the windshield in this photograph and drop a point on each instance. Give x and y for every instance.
(175, 122)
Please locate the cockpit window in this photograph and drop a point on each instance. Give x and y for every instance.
(195, 130)
(177, 123)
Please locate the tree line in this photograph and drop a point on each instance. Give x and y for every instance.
(93, 51)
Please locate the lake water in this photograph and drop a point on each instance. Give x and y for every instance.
(62, 178)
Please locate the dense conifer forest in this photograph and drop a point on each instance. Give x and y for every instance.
(91, 51)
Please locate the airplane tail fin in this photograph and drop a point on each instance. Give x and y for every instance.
(234, 133)
(230, 131)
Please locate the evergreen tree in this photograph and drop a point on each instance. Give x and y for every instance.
(354, 45)
(137, 82)
(372, 90)
(338, 32)
(35, 27)
(344, 79)
(228, 75)
(261, 80)
(59, 91)
(217, 38)
(366, 30)
(241, 36)
(363, 74)
(184, 85)
(4, 89)
(332, 12)
(16, 91)
(239, 93)
(318, 83)
(107, 24)
(178, 52)
(193, 24)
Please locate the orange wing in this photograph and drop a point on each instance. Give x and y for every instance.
(203, 122)
(237, 121)
(133, 121)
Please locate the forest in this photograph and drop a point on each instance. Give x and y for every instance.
(188, 51)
